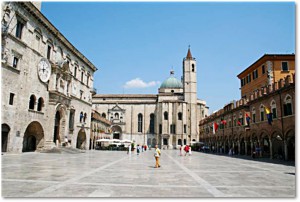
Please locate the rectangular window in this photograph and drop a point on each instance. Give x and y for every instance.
(82, 77)
(19, 29)
(81, 93)
(249, 78)
(263, 69)
(87, 80)
(160, 129)
(254, 74)
(242, 82)
(262, 116)
(284, 66)
(75, 71)
(11, 99)
(15, 62)
(274, 113)
(253, 118)
(48, 52)
(184, 128)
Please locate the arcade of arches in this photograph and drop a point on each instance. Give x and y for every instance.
(274, 145)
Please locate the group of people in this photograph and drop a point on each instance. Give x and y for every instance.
(141, 148)
(187, 149)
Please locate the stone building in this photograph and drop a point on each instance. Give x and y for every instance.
(169, 118)
(47, 83)
(245, 136)
(100, 128)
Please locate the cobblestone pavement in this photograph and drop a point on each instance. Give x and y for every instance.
(117, 174)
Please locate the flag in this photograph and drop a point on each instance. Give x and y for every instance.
(223, 121)
(269, 115)
(215, 127)
(248, 119)
(239, 123)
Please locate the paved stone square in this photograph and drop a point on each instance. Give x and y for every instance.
(117, 174)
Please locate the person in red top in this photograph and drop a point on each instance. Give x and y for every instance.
(186, 149)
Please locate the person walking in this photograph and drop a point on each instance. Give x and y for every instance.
(190, 151)
(180, 152)
(186, 149)
(138, 149)
(157, 154)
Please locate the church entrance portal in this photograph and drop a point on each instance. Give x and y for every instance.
(33, 137)
(117, 131)
(4, 136)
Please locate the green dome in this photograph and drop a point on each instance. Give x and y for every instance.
(171, 82)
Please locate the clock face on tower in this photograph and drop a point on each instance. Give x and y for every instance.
(44, 70)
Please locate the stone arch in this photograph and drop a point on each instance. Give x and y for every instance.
(154, 142)
(34, 137)
(117, 131)
(59, 124)
(277, 145)
(290, 144)
(265, 144)
(149, 141)
(81, 139)
(5, 136)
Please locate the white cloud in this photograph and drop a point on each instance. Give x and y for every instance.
(138, 83)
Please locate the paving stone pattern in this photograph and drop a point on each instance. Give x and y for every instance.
(117, 174)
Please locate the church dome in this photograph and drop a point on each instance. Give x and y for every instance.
(171, 82)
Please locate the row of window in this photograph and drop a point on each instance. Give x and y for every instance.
(287, 111)
(247, 79)
(49, 50)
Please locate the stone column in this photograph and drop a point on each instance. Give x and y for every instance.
(260, 146)
(239, 147)
(246, 146)
(286, 153)
(271, 149)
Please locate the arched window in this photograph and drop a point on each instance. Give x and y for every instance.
(241, 118)
(253, 115)
(152, 121)
(287, 106)
(81, 116)
(234, 120)
(84, 117)
(273, 109)
(262, 113)
(116, 115)
(40, 104)
(166, 115)
(103, 115)
(140, 123)
(180, 116)
(193, 67)
(32, 102)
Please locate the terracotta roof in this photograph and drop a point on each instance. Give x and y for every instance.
(98, 117)
(189, 55)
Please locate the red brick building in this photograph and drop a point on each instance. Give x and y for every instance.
(275, 140)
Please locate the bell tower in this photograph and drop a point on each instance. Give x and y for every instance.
(190, 94)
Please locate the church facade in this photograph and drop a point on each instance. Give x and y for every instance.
(169, 118)
(47, 84)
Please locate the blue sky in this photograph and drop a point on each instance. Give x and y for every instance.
(134, 45)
